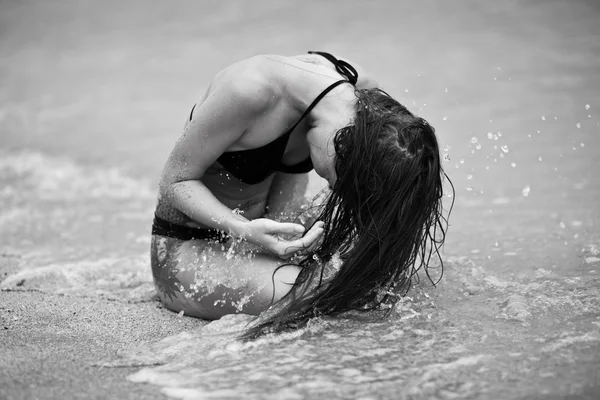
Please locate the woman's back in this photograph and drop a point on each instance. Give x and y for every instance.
(282, 88)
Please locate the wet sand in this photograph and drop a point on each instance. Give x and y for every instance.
(93, 95)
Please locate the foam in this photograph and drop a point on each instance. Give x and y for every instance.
(59, 178)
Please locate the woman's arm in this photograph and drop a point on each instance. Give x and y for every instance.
(217, 123)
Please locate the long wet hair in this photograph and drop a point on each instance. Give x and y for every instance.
(383, 219)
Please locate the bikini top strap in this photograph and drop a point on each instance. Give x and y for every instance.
(314, 103)
(341, 66)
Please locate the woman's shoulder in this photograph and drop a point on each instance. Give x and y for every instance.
(254, 80)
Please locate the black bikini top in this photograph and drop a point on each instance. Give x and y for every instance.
(255, 165)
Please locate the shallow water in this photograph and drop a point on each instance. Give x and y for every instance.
(93, 96)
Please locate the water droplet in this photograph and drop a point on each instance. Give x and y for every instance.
(473, 139)
(478, 147)
(495, 137)
(462, 160)
(538, 131)
(582, 144)
(540, 158)
(526, 190)
(490, 135)
(499, 134)
(512, 164)
(444, 117)
(424, 104)
(445, 155)
(469, 177)
(578, 125)
(405, 90)
(446, 90)
(504, 148)
(543, 118)
(555, 118)
(587, 107)
(562, 225)
(469, 188)
(455, 165)
(501, 155)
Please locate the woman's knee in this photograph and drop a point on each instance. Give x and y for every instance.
(284, 278)
(204, 282)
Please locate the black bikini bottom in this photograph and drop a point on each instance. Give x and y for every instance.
(181, 232)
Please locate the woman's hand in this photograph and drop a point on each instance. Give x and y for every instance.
(277, 237)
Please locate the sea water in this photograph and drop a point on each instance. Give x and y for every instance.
(526, 332)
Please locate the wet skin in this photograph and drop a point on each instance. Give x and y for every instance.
(210, 280)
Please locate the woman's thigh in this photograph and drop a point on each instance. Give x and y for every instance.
(209, 281)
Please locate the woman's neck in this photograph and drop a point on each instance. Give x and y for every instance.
(325, 123)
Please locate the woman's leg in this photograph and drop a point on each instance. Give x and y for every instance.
(287, 194)
(209, 281)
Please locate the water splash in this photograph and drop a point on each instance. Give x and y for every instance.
(446, 154)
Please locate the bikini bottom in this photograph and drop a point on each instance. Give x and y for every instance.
(165, 228)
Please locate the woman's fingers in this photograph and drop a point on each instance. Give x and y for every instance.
(285, 228)
(289, 248)
(319, 225)
(274, 236)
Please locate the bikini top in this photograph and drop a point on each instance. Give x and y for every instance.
(255, 165)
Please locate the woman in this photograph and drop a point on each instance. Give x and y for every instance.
(246, 148)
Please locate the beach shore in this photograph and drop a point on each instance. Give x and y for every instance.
(94, 94)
